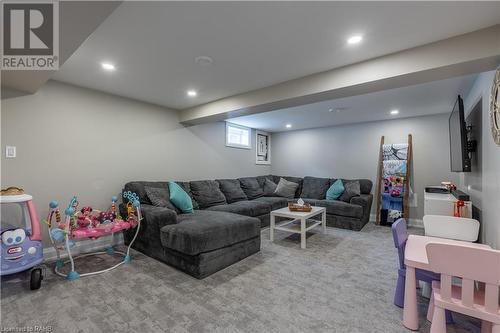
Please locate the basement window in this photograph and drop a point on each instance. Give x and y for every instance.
(238, 136)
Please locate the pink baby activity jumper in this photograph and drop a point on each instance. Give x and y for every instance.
(88, 223)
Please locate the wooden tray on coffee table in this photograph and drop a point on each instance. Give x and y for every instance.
(293, 207)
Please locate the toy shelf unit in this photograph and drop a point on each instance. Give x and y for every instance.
(393, 181)
(21, 237)
(88, 223)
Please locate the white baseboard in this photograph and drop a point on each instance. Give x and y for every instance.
(49, 253)
(415, 223)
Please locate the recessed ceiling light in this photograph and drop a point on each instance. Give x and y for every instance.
(355, 39)
(107, 66)
(394, 112)
(191, 93)
(288, 125)
(330, 110)
(203, 60)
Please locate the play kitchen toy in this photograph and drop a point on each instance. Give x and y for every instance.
(21, 245)
(89, 223)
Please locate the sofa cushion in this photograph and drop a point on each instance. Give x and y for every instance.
(205, 231)
(159, 197)
(262, 179)
(207, 193)
(340, 208)
(269, 188)
(232, 190)
(315, 188)
(286, 189)
(248, 208)
(351, 189)
(274, 202)
(180, 198)
(187, 188)
(297, 180)
(138, 187)
(251, 187)
(335, 191)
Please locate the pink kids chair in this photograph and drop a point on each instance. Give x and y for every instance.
(400, 236)
(471, 265)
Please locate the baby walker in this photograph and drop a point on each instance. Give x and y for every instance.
(90, 223)
(21, 238)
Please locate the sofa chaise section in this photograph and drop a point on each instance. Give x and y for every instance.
(200, 243)
(205, 242)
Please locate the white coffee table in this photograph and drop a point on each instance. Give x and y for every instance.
(306, 223)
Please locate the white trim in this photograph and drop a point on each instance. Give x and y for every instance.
(415, 223)
(232, 145)
(49, 253)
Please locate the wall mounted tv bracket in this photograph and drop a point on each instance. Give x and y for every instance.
(471, 148)
(471, 144)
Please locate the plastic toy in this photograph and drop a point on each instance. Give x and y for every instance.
(21, 238)
(457, 211)
(90, 223)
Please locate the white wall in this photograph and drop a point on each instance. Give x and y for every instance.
(77, 141)
(487, 198)
(352, 151)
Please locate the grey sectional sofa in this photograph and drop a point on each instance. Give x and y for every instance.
(229, 213)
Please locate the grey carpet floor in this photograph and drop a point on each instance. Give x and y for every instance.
(343, 282)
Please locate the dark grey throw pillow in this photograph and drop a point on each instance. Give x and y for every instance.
(207, 193)
(351, 189)
(159, 197)
(269, 188)
(232, 190)
(251, 187)
(286, 189)
(315, 188)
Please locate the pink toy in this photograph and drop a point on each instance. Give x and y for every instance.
(102, 230)
(20, 241)
(92, 224)
(475, 265)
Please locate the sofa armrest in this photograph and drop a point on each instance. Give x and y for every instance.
(365, 201)
(153, 219)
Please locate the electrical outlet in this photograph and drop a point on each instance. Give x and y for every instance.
(10, 152)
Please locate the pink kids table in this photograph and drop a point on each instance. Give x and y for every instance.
(416, 257)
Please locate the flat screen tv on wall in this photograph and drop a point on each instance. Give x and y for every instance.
(459, 152)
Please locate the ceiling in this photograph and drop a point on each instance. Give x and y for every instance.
(77, 20)
(253, 44)
(418, 100)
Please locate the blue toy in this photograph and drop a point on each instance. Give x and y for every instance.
(21, 244)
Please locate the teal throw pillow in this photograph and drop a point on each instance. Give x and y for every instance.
(180, 198)
(335, 191)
